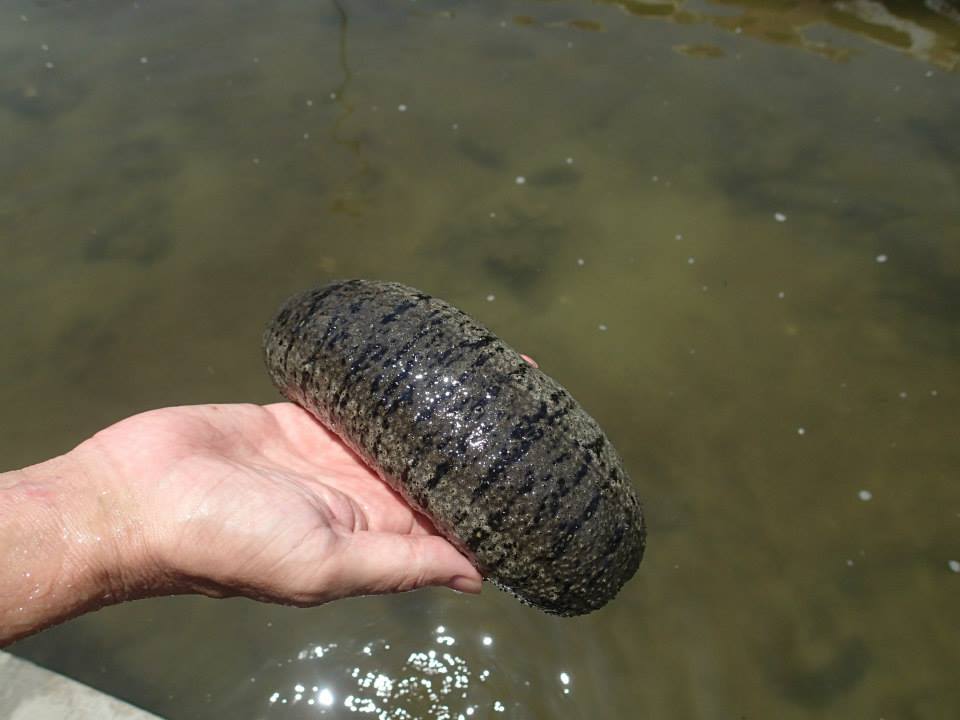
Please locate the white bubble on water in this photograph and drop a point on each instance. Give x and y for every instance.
(954, 565)
(691, 260)
(521, 180)
(491, 297)
(401, 107)
(779, 217)
(801, 431)
(881, 258)
(865, 495)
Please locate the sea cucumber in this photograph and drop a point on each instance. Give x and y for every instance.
(505, 463)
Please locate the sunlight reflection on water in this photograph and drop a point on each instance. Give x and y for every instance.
(447, 676)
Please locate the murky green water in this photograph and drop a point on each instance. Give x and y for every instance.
(736, 240)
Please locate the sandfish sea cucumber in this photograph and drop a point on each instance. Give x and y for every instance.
(499, 456)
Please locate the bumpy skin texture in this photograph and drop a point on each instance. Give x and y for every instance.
(496, 453)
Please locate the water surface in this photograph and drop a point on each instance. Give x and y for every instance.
(732, 229)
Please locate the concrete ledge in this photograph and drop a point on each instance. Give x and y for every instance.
(28, 692)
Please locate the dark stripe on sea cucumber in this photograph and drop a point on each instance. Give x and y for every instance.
(438, 473)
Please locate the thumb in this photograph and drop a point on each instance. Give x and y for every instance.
(377, 562)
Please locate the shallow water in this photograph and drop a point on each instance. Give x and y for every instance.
(732, 229)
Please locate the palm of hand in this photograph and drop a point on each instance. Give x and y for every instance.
(265, 502)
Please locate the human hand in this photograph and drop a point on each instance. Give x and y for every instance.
(265, 502)
(218, 499)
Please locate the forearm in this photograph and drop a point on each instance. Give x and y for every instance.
(66, 544)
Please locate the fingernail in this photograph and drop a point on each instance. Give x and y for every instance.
(464, 584)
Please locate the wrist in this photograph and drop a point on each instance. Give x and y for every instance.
(70, 542)
(111, 513)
